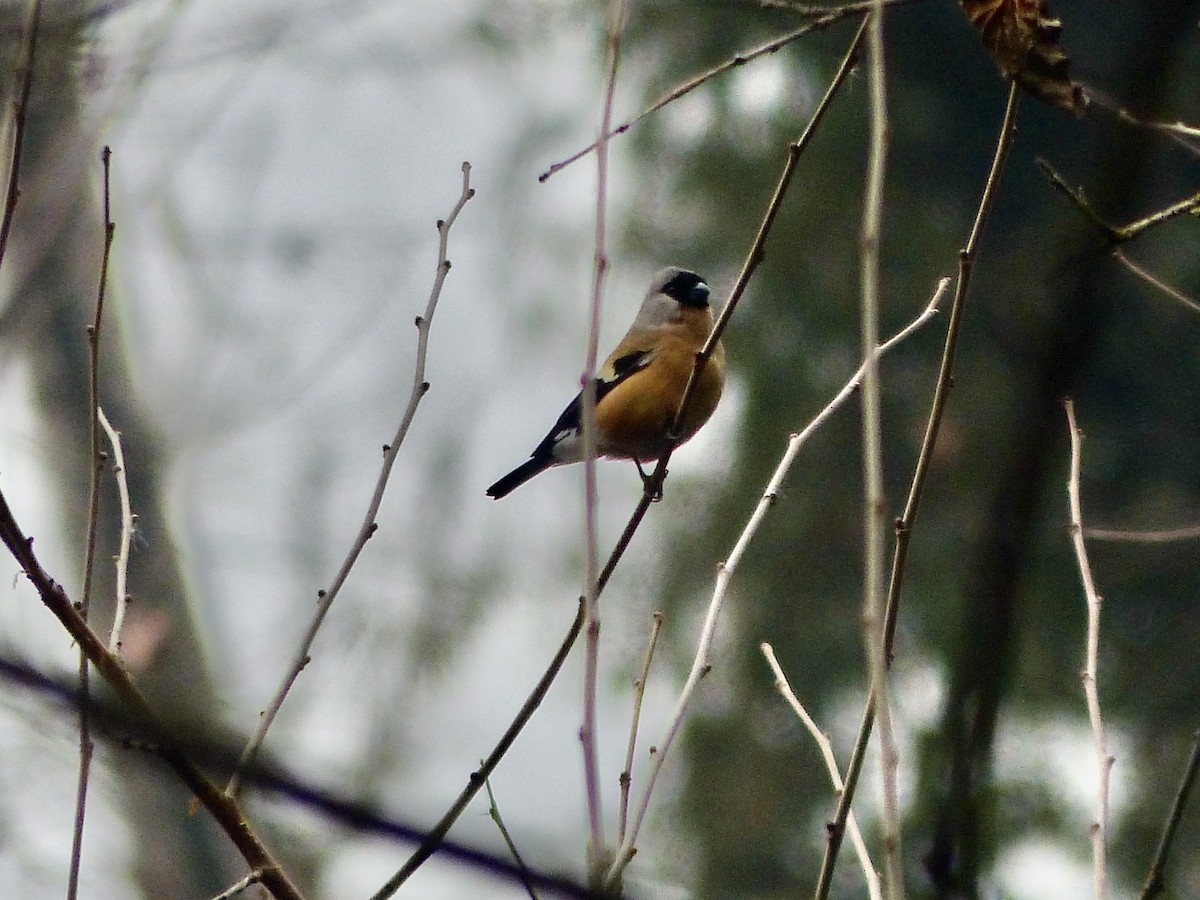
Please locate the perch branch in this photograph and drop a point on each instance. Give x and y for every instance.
(725, 572)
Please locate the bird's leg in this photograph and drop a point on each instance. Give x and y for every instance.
(658, 494)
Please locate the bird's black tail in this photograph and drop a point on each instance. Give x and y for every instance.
(518, 477)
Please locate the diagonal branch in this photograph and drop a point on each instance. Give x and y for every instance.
(226, 811)
(823, 18)
(725, 573)
(20, 110)
(904, 525)
(653, 488)
(325, 598)
(1156, 879)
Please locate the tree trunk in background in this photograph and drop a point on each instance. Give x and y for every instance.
(1078, 298)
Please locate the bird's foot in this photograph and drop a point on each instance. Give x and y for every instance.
(658, 492)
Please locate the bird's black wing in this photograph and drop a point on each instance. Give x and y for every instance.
(570, 420)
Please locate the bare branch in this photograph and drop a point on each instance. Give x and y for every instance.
(824, 17)
(494, 813)
(831, 766)
(597, 853)
(1104, 762)
(1118, 234)
(874, 499)
(639, 692)
(1156, 878)
(89, 553)
(1162, 536)
(127, 521)
(905, 524)
(227, 813)
(326, 597)
(725, 572)
(1154, 281)
(20, 110)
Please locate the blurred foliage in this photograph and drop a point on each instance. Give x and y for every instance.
(992, 599)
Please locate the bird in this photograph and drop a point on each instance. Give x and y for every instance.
(641, 384)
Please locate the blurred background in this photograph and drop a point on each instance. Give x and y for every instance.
(277, 172)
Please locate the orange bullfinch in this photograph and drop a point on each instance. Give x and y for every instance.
(640, 385)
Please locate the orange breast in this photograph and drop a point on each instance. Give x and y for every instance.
(633, 419)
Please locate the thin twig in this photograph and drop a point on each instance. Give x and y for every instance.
(1161, 536)
(1118, 234)
(1156, 878)
(1186, 205)
(1154, 281)
(827, 17)
(725, 572)
(89, 553)
(1104, 762)
(591, 660)
(831, 766)
(226, 811)
(237, 887)
(20, 111)
(326, 597)
(639, 692)
(874, 499)
(127, 524)
(1181, 133)
(905, 524)
(494, 812)
(437, 834)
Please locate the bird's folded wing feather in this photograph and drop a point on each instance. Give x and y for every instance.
(613, 373)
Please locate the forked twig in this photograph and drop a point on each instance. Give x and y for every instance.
(1104, 762)
(1118, 234)
(639, 693)
(326, 597)
(831, 766)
